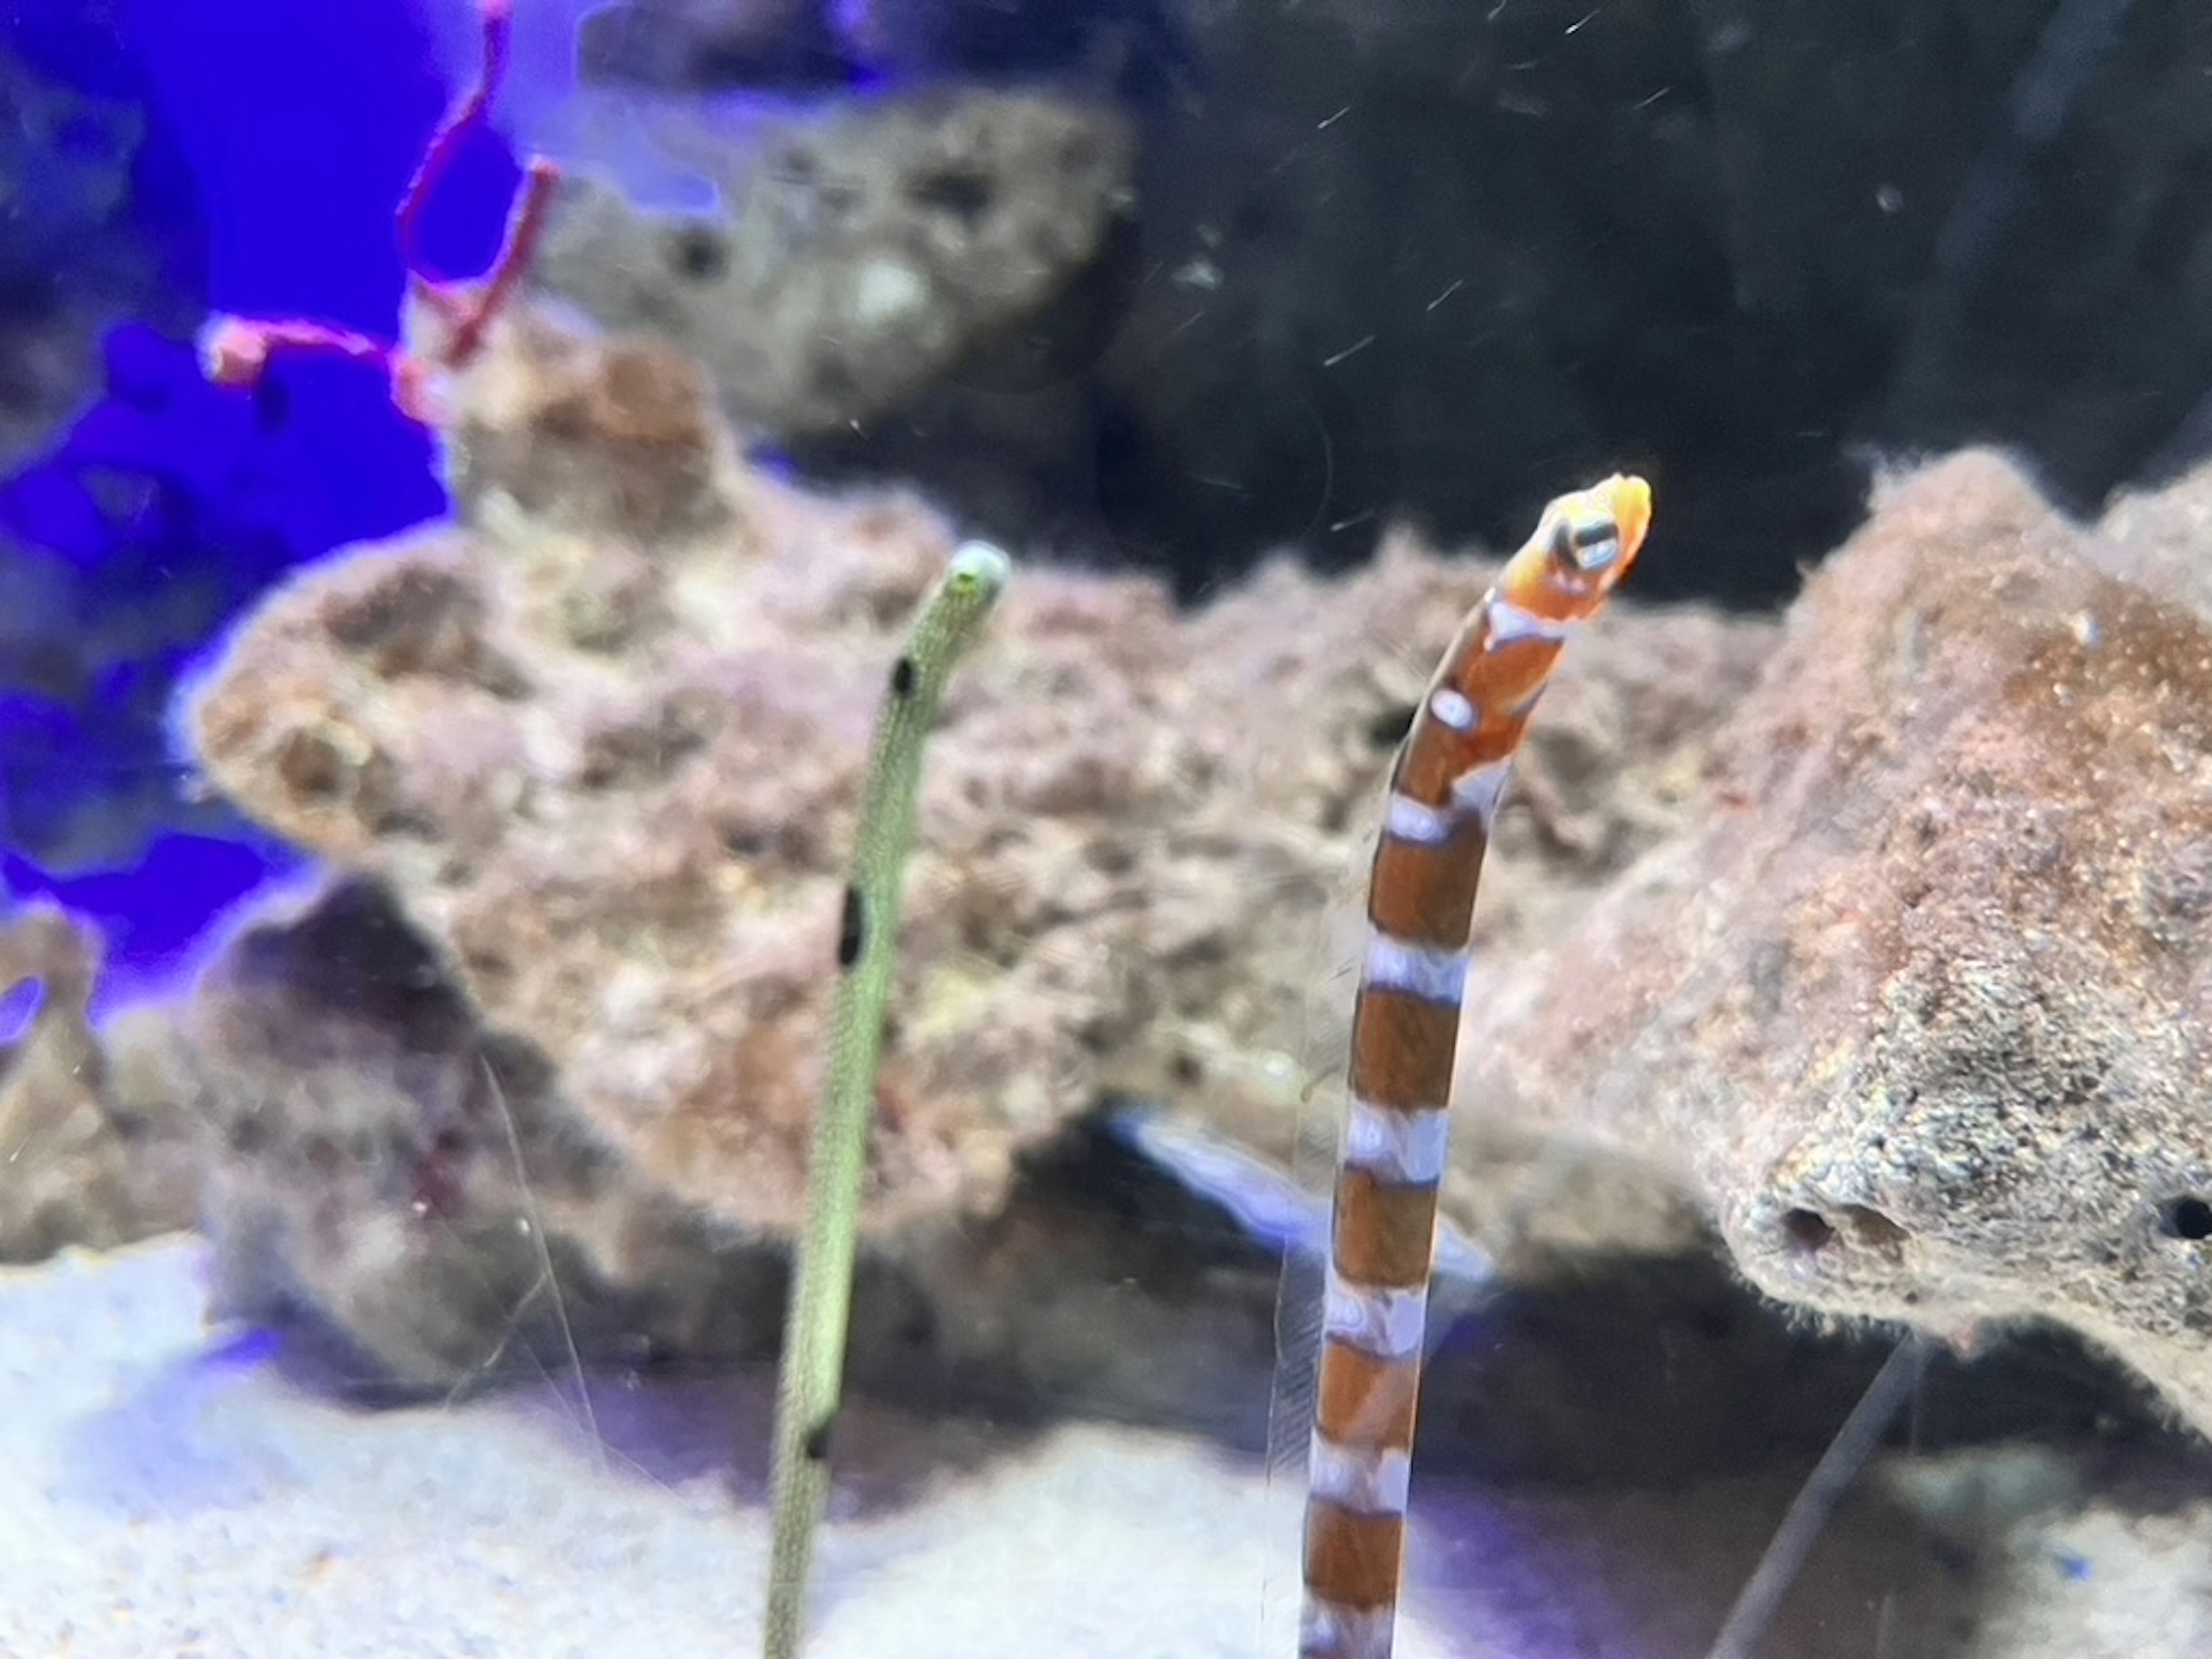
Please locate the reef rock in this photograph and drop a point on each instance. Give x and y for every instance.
(98, 1146)
(601, 745)
(858, 252)
(2162, 539)
(1922, 1009)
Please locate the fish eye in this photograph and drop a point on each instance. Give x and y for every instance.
(1589, 544)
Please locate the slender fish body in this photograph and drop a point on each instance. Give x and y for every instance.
(1445, 787)
(811, 1383)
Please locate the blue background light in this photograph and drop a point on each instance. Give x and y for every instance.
(274, 141)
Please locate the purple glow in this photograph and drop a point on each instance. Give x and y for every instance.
(171, 504)
(19, 1006)
(152, 913)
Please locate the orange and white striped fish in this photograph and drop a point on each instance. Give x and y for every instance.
(1445, 787)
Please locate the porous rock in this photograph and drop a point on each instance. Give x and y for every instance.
(1920, 1008)
(858, 251)
(608, 768)
(98, 1144)
(392, 1175)
(2162, 539)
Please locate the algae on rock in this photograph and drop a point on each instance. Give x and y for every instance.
(102, 1143)
(1921, 1010)
(600, 740)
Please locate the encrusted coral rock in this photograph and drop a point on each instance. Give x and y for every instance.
(610, 773)
(861, 252)
(614, 438)
(415, 1183)
(2163, 538)
(1922, 1009)
(98, 1145)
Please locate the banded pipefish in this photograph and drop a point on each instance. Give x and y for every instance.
(1445, 787)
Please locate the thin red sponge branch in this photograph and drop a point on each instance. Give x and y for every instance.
(234, 351)
(469, 111)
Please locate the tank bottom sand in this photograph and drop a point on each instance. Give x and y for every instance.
(163, 1492)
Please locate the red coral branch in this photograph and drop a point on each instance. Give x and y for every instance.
(469, 112)
(469, 312)
(234, 351)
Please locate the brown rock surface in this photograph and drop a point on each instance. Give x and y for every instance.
(860, 253)
(99, 1144)
(606, 759)
(1921, 1010)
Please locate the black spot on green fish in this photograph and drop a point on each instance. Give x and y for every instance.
(853, 928)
